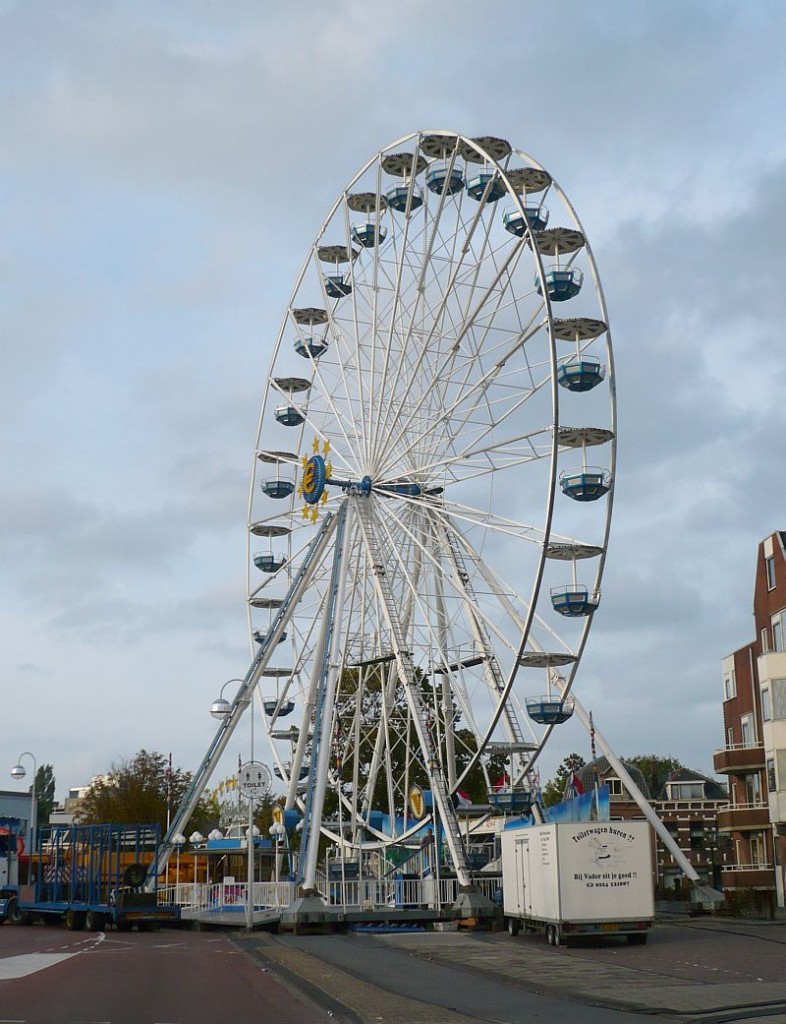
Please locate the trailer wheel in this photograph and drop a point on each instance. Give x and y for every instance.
(135, 875)
(550, 934)
(513, 926)
(74, 920)
(13, 913)
(94, 921)
(638, 939)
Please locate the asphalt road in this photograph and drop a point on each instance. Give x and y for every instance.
(718, 972)
(51, 976)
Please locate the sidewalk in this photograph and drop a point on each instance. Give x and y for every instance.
(670, 977)
(645, 983)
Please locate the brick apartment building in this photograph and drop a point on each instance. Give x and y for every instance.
(754, 719)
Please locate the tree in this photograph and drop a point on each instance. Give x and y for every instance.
(655, 769)
(44, 793)
(141, 791)
(554, 789)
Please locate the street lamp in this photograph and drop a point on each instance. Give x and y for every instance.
(221, 707)
(178, 841)
(194, 838)
(18, 772)
(277, 831)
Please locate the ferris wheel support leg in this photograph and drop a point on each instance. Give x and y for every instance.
(470, 904)
(647, 810)
(318, 774)
(242, 700)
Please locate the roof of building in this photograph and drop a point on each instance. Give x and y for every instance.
(597, 771)
(594, 773)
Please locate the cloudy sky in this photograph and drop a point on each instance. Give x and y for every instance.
(163, 169)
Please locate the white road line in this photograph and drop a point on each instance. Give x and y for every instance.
(28, 963)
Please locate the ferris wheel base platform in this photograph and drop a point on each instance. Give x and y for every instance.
(474, 906)
(311, 913)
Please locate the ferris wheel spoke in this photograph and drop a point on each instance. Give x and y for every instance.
(447, 294)
(449, 356)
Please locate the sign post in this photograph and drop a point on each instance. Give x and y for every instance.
(254, 781)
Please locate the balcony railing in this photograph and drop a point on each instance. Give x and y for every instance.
(739, 817)
(738, 758)
(748, 876)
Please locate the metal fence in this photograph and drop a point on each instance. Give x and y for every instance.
(363, 894)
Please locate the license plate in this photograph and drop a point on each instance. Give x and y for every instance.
(609, 927)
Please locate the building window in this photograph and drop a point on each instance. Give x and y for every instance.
(777, 632)
(766, 704)
(765, 641)
(780, 764)
(778, 687)
(758, 855)
(770, 564)
(615, 786)
(685, 790)
(748, 730)
(772, 784)
(697, 835)
(752, 790)
(730, 736)
(730, 685)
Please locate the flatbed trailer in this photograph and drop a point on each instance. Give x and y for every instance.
(90, 876)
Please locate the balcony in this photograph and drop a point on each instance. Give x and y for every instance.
(741, 817)
(738, 759)
(748, 876)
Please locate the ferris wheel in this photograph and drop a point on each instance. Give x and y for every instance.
(432, 485)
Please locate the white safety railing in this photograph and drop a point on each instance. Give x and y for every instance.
(364, 894)
(746, 867)
(198, 897)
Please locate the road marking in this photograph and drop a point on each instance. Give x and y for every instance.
(28, 963)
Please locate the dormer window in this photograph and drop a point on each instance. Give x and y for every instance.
(685, 790)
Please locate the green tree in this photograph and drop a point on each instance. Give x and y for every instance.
(655, 769)
(141, 791)
(44, 793)
(554, 789)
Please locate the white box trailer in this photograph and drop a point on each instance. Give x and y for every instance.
(579, 879)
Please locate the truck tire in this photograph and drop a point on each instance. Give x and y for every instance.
(513, 926)
(637, 939)
(13, 913)
(550, 934)
(74, 920)
(94, 921)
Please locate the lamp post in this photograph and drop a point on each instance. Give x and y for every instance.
(194, 839)
(221, 707)
(178, 841)
(277, 831)
(251, 833)
(18, 772)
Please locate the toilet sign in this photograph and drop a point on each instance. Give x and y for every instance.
(254, 780)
